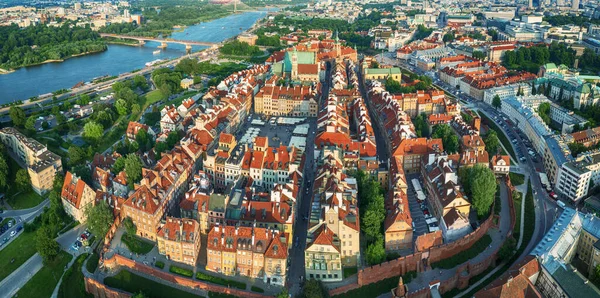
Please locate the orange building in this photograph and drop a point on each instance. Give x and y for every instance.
(179, 240)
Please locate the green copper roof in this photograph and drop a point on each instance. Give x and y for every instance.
(393, 70)
(303, 58)
(550, 66)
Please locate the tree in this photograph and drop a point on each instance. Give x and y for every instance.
(3, 172)
(172, 139)
(283, 294)
(533, 90)
(45, 244)
(313, 289)
(449, 138)
(119, 165)
(143, 140)
(496, 102)
(93, 131)
(99, 218)
(483, 188)
(448, 37)
(371, 223)
(520, 91)
(17, 115)
(129, 226)
(491, 142)
(77, 155)
(122, 107)
(22, 180)
(478, 55)
(82, 171)
(392, 86)
(30, 123)
(544, 112)
(135, 108)
(139, 295)
(133, 168)
(375, 253)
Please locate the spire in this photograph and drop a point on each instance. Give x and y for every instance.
(337, 37)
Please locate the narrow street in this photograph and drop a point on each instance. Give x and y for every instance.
(296, 257)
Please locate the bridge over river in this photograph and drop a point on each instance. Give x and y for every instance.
(164, 41)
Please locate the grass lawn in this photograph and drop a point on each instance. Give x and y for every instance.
(136, 244)
(73, 284)
(517, 200)
(501, 136)
(465, 255)
(349, 271)
(153, 96)
(92, 263)
(132, 283)
(42, 284)
(20, 249)
(516, 179)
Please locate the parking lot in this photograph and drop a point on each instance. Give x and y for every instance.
(5, 235)
(277, 133)
(420, 226)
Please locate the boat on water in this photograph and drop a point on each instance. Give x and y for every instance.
(156, 52)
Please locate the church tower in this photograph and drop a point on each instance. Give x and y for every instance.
(338, 50)
(294, 73)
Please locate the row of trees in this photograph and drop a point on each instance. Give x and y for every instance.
(36, 44)
(394, 87)
(239, 48)
(531, 58)
(372, 211)
(163, 21)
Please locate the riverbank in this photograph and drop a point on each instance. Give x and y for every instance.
(123, 42)
(3, 71)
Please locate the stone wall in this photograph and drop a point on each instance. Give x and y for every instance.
(419, 261)
(120, 261)
(99, 290)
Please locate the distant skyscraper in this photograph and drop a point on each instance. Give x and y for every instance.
(575, 4)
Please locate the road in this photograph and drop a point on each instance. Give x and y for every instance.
(31, 107)
(296, 269)
(26, 215)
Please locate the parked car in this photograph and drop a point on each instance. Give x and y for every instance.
(74, 246)
(13, 233)
(19, 228)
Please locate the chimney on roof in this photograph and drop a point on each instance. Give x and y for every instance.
(223, 239)
(217, 227)
(181, 228)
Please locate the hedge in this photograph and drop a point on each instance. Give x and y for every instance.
(220, 281)
(159, 264)
(181, 271)
(257, 289)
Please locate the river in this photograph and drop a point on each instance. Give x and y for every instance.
(41, 79)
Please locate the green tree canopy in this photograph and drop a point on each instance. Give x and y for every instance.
(133, 168)
(313, 289)
(22, 180)
(93, 132)
(99, 218)
(77, 155)
(375, 253)
(496, 102)
(129, 226)
(17, 115)
(4, 172)
(482, 183)
(449, 138)
(491, 142)
(45, 244)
